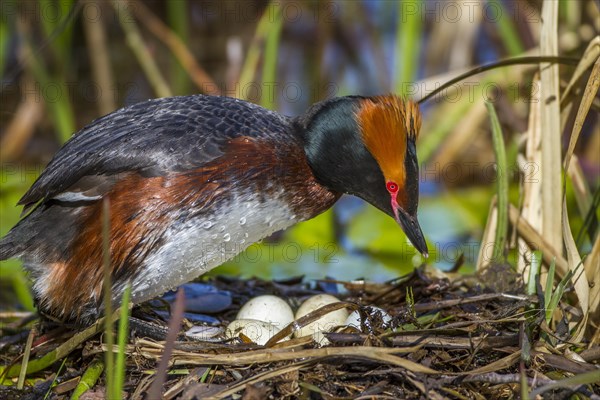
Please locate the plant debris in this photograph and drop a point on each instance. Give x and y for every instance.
(447, 339)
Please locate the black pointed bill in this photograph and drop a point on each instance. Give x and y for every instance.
(412, 229)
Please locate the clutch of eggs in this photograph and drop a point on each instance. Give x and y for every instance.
(264, 316)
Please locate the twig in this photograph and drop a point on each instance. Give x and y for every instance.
(26, 355)
(155, 391)
(496, 378)
(261, 377)
(436, 305)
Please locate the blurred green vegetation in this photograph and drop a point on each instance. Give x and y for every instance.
(14, 184)
(326, 49)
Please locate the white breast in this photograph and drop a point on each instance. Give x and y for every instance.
(199, 244)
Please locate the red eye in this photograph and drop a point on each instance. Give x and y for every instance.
(392, 187)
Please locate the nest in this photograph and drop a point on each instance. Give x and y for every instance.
(448, 338)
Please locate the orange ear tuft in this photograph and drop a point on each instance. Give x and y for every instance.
(386, 122)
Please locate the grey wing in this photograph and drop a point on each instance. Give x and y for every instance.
(153, 137)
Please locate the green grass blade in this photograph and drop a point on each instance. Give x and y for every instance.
(502, 179)
(557, 295)
(549, 289)
(143, 56)
(204, 376)
(506, 29)
(64, 37)
(119, 377)
(253, 55)
(49, 391)
(5, 37)
(48, 23)
(89, 378)
(56, 96)
(269, 98)
(57, 23)
(408, 43)
(177, 17)
(109, 357)
(524, 383)
(534, 272)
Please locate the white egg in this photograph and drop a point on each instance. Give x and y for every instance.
(377, 313)
(258, 331)
(204, 332)
(323, 324)
(267, 308)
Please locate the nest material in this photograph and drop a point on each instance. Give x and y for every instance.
(448, 339)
